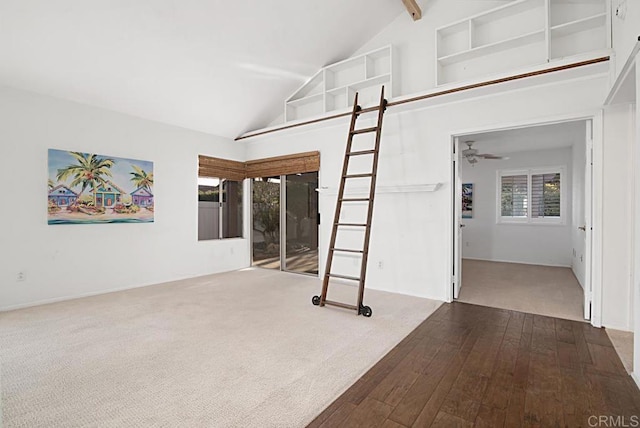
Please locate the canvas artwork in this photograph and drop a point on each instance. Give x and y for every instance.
(87, 188)
(467, 200)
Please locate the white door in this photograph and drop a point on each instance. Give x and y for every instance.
(457, 222)
(586, 228)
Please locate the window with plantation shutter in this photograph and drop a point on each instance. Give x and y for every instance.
(531, 196)
(513, 196)
(545, 195)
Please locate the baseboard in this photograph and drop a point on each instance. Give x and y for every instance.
(96, 293)
(516, 262)
(71, 297)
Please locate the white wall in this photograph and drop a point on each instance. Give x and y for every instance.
(66, 261)
(578, 160)
(414, 42)
(485, 239)
(617, 203)
(625, 31)
(411, 233)
(636, 233)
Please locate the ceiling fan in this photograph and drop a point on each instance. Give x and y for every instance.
(472, 154)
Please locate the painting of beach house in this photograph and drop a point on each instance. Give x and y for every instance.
(87, 188)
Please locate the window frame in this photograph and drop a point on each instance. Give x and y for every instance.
(220, 208)
(528, 219)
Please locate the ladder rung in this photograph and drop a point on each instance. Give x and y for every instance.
(340, 305)
(357, 175)
(370, 109)
(355, 199)
(335, 275)
(364, 130)
(361, 152)
(351, 224)
(345, 250)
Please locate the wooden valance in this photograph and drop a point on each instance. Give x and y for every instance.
(221, 168)
(282, 165)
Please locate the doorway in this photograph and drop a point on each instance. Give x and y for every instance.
(522, 218)
(285, 223)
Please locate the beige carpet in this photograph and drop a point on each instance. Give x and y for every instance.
(241, 349)
(623, 343)
(542, 290)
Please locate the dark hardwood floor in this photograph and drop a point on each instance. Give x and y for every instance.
(470, 365)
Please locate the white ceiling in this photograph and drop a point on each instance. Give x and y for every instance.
(222, 67)
(541, 137)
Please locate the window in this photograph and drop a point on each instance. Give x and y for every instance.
(531, 196)
(220, 198)
(219, 208)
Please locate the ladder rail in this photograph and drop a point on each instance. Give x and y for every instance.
(372, 191)
(356, 112)
(336, 217)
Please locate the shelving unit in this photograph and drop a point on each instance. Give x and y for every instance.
(334, 86)
(519, 34)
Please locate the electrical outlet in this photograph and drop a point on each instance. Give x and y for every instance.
(231, 250)
(380, 265)
(21, 276)
(466, 244)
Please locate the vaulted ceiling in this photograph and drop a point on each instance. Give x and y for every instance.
(221, 67)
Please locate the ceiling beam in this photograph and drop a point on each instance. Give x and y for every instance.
(413, 9)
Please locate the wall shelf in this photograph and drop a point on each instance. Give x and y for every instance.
(584, 24)
(333, 87)
(403, 188)
(541, 30)
(487, 49)
(306, 100)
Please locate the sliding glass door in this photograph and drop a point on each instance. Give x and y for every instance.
(301, 234)
(266, 222)
(285, 209)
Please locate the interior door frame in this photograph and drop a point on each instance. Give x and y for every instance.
(594, 257)
(456, 272)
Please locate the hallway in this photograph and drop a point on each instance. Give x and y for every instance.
(542, 290)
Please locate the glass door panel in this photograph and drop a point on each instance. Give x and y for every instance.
(301, 234)
(266, 222)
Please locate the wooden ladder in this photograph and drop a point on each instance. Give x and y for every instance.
(322, 299)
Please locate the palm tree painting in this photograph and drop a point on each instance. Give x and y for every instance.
(104, 189)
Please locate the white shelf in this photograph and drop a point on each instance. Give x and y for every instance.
(579, 25)
(508, 10)
(331, 87)
(312, 87)
(545, 30)
(306, 100)
(404, 188)
(337, 91)
(476, 52)
(373, 81)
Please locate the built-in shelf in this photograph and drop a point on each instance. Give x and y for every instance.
(306, 100)
(542, 30)
(372, 81)
(333, 87)
(589, 23)
(479, 51)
